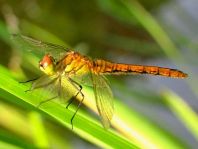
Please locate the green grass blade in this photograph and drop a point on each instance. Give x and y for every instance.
(138, 128)
(13, 119)
(7, 145)
(84, 126)
(183, 111)
(38, 131)
(14, 140)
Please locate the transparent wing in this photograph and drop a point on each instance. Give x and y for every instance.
(85, 79)
(38, 47)
(104, 99)
(45, 87)
(68, 89)
(52, 87)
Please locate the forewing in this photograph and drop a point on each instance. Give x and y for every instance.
(38, 47)
(104, 99)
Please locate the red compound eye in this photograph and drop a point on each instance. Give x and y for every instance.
(46, 61)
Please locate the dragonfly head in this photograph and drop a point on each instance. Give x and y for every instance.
(47, 65)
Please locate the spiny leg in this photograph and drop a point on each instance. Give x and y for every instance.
(74, 83)
(60, 88)
(31, 80)
(41, 86)
(37, 87)
(70, 102)
(42, 102)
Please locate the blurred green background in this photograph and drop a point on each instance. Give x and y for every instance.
(151, 111)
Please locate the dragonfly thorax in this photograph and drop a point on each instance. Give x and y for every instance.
(47, 65)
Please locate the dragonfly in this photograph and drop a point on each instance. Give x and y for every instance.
(60, 65)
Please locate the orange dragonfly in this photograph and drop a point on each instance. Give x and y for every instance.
(60, 65)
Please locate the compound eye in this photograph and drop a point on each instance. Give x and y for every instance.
(40, 64)
(45, 62)
(43, 65)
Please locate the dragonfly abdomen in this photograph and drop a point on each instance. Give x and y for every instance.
(105, 67)
(155, 70)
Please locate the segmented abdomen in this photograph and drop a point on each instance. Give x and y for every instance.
(105, 67)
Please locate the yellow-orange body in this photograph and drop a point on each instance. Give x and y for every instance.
(74, 63)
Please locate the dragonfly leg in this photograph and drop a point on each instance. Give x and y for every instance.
(73, 98)
(76, 111)
(40, 86)
(79, 88)
(60, 88)
(70, 102)
(31, 80)
(44, 101)
(74, 83)
(36, 87)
